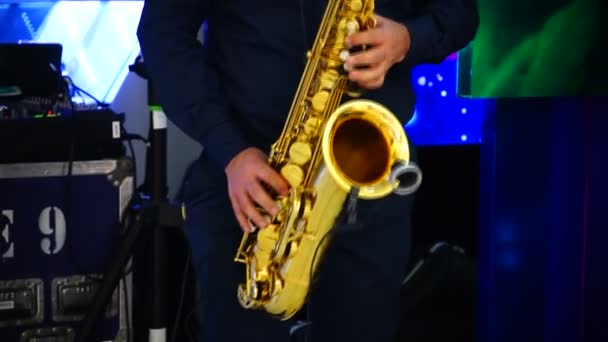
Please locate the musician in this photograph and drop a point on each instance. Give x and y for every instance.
(233, 94)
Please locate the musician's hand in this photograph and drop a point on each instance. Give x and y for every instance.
(387, 43)
(247, 174)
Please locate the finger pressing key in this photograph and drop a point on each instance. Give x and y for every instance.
(263, 199)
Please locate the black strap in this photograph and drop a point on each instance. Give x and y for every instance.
(347, 221)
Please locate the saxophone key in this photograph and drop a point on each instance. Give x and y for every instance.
(311, 126)
(328, 79)
(356, 5)
(319, 100)
(352, 26)
(293, 174)
(300, 152)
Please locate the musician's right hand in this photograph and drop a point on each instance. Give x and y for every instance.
(248, 173)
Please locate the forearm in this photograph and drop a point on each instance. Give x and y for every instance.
(186, 85)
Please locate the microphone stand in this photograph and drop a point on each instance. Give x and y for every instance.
(153, 215)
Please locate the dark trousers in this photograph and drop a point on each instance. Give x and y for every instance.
(356, 297)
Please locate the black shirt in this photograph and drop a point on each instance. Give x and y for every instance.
(235, 90)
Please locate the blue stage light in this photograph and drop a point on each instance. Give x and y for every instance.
(441, 116)
(98, 38)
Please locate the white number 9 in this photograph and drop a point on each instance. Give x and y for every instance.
(55, 226)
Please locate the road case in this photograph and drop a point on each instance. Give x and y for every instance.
(57, 232)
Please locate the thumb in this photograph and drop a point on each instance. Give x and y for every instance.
(380, 20)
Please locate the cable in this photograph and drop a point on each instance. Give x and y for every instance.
(77, 90)
(71, 158)
(127, 271)
(127, 310)
(132, 136)
(58, 92)
(68, 190)
(182, 295)
(129, 139)
(69, 178)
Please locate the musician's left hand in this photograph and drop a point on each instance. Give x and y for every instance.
(387, 43)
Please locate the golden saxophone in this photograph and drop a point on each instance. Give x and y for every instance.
(327, 152)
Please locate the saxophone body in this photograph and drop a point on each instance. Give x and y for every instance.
(331, 154)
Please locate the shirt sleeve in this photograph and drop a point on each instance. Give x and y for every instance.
(185, 83)
(440, 28)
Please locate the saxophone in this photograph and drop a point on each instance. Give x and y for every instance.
(330, 154)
